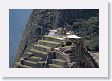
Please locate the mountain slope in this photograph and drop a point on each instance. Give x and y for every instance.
(81, 21)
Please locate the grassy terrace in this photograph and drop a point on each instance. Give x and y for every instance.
(23, 66)
(37, 51)
(49, 42)
(31, 62)
(59, 60)
(35, 62)
(41, 62)
(29, 53)
(66, 47)
(55, 66)
(52, 37)
(34, 57)
(42, 46)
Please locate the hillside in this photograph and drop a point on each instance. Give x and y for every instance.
(83, 22)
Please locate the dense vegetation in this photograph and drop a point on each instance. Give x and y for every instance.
(84, 23)
(89, 30)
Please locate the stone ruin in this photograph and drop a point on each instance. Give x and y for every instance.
(58, 49)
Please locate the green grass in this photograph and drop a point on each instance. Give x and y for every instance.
(31, 62)
(55, 37)
(42, 46)
(55, 66)
(66, 47)
(34, 57)
(59, 60)
(37, 51)
(48, 41)
(23, 66)
(41, 62)
(29, 53)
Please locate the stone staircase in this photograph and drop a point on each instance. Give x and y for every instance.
(37, 55)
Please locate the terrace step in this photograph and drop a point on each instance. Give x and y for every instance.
(27, 54)
(39, 53)
(35, 59)
(42, 48)
(55, 66)
(33, 64)
(22, 66)
(51, 38)
(59, 62)
(60, 56)
(49, 43)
